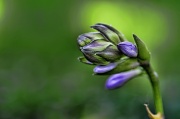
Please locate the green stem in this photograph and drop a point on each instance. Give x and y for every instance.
(156, 88)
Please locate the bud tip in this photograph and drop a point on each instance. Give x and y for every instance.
(128, 49)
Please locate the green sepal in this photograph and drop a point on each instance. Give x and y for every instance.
(84, 60)
(111, 53)
(90, 56)
(143, 52)
(121, 35)
(107, 33)
(93, 35)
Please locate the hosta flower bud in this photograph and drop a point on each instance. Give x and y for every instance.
(128, 49)
(117, 67)
(97, 50)
(86, 38)
(118, 80)
(103, 69)
(96, 45)
(110, 33)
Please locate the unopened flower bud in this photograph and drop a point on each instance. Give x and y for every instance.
(128, 49)
(96, 45)
(118, 80)
(109, 33)
(117, 67)
(97, 50)
(82, 41)
(103, 69)
(86, 38)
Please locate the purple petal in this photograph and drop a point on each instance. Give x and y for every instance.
(128, 49)
(118, 80)
(103, 69)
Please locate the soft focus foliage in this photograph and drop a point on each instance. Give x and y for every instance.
(40, 77)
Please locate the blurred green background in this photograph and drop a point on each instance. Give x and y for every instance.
(40, 77)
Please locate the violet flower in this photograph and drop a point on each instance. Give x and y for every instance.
(118, 80)
(128, 49)
(100, 69)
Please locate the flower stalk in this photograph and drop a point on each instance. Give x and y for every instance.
(156, 92)
(144, 60)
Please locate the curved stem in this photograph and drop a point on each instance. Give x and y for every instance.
(156, 88)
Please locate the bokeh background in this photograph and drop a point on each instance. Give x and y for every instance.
(40, 77)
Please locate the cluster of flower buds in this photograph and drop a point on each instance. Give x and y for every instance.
(112, 54)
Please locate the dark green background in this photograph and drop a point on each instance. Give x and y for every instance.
(40, 77)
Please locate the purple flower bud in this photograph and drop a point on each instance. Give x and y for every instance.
(128, 49)
(86, 38)
(118, 80)
(100, 69)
